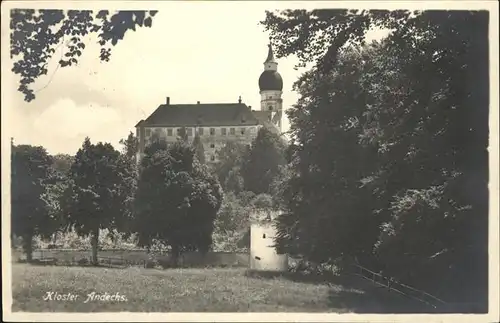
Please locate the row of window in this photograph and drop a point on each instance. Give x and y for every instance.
(201, 131)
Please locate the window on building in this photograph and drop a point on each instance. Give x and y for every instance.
(232, 131)
(252, 130)
(212, 146)
(178, 131)
(169, 132)
(212, 131)
(242, 131)
(212, 158)
(189, 131)
(200, 131)
(270, 108)
(223, 131)
(148, 132)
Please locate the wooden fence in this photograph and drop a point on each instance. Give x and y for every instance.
(393, 285)
(125, 258)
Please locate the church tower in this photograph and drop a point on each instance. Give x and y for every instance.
(271, 89)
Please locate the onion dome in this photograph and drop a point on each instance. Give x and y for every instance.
(270, 79)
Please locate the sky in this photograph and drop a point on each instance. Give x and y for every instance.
(203, 51)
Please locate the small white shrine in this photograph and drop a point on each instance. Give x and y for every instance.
(263, 254)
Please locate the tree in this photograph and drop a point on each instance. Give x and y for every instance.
(30, 170)
(374, 146)
(55, 188)
(230, 159)
(130, 146)
(326, 210)
(231, 224)
(183, 135)
(127, 162)
(62, 163)
(262, 164)
(318, 36)
(177, 199)
(96, 198)
(198, 146)
(37, 34)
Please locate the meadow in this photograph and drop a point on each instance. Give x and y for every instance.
(193, 289)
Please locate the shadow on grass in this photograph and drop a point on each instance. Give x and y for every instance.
(342, 281)
(352, 293)
(376, 302)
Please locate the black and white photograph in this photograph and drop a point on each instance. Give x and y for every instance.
(250, 161)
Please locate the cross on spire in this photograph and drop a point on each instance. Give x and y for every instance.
(270, 55)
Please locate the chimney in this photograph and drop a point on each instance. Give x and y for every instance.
(198, 102)
(168, 100)
(250, 107)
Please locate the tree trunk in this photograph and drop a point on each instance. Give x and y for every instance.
(175, 255)
(28, 247)
(95, 246)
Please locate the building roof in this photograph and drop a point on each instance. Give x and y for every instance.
(270, 55)
(208, 114)
(262, 116)
(270, 80)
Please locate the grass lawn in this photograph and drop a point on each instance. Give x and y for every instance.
(193, 290)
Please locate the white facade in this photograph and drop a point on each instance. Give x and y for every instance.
(263, 255)
(212, 138)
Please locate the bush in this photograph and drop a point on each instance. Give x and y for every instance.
(83, 261)
(70, 240)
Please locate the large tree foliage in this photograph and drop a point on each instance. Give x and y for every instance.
(62, 163)
(128, 163)
(97, 198)
(37, 34)
(389, 158)
(130, 146)
(325, 203)
(199, 149)
(262, 162)
(30, 216)
(55, 188)
(177, 199)
(231, 224)
(230, 159)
